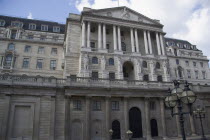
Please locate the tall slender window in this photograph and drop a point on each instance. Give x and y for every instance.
(8, 60)
(53, 65)
(25, 63)
(11, 46)
(39, 63)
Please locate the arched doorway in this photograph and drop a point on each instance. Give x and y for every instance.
(135, 122)
(128, 71)
(116, 130)
(154, 128)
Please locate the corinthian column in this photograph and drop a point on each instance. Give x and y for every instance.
(99, 36)
(104, 36)
(150, 43)
(162, 45)
(132, 41)
(145, 43)
(137, 41)
(114, 37)
(88, 35)
(83, 34)
(119, 39)
(158, 43)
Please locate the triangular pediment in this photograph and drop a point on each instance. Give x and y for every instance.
(124, 13)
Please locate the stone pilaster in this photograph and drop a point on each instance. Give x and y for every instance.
(147, 116)
(162, 113)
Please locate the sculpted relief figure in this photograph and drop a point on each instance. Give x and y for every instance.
(86, 61)
(103, 63)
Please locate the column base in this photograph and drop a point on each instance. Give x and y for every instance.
(150, 55)
(103, 50)
(118, 52)
(85, 49)
(135, 54)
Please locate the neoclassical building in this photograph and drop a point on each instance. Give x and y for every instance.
(106, 69)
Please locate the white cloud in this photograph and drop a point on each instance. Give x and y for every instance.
(29, 16)
(183, 19)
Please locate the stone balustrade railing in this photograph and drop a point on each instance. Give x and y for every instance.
(80, 82)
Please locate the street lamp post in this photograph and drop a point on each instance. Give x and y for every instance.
(129, 133)
(200, 114)
(110, 133)
(178, 97)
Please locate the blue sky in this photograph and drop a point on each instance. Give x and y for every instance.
(53, 10)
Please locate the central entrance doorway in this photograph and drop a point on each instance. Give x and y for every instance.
(154, 128)
(128, 71)
(135, 122)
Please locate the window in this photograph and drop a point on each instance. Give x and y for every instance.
(41, 50)
(17, 24)
(93, 29)
(77, 105)
(11, 47)
(152, 105)
(204, 74)
(144, 64)
(32, 26)
(123, 46)
(30, 37)
(42, 37)
(175, 52)
(93, 46)
(54, 51)
(122, 33)
(56, 29)
(188, 74)
(44, 28)
(196, 74)
(146, 77)
(194, 64)
(39, 63)
(201, 63)
(115, 105)
(95, 75)
(107, 46)
(25, 63)
(177, 61)
(157, 65)
(52, 64)
(111, 61)
(27, 48)
(187, 63)
(13, 34)
(2, 22)
(96, 105)
(1, 60)
(111, 75)
(107, 31)
(159, 78)
(8, 60)
(94, 60)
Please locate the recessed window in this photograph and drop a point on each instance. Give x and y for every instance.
(30, 36)
(56, 29)
(144, 64)
(44, 28)
(115, 105)
(177, 61)
(189, 74)
(39, 64)
(41, 50)
(204, 74)
(194, 64)
(201, 63)
(146, 77)
(96, 105)
(2, 22)
(11, 47)
(152, 105)
(43, 37)
(107, 31)
(52, 64)
(13, 34)
(54, 51)
(157, 65)
(159, 78)
(94, 60)
(111, 75)
(32, 26)
(25, 63)
(187, 63)
(93, 46)
(27, 49)
(107, 46)
(8, 60)
(17, 24)
(111, 61)
(196, 74)
(94, 75)
(93, 29)
(77, 105)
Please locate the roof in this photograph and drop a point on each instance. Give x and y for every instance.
(38, 23)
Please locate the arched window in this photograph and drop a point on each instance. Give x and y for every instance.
(8, 60)
(157, 65)
(159, 78)
(144, 64)
(11, 46)
(180, 72)
(111, 61)
(146, 77)
(94, 60)
(123, 46)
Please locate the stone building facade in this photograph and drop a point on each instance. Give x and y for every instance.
(105, 69)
